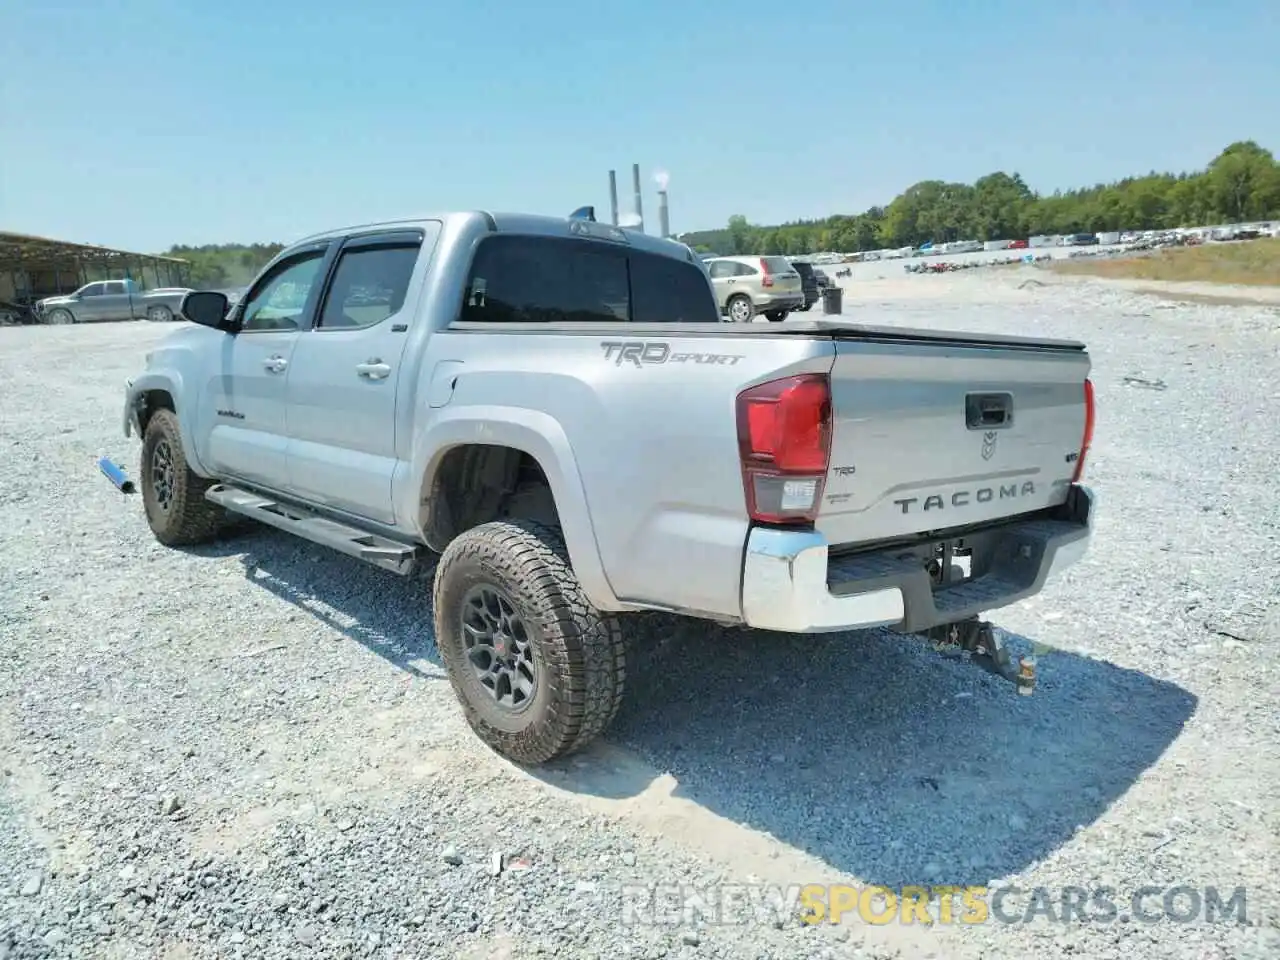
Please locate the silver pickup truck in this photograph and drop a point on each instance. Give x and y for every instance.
(112, 300)
(557, 409)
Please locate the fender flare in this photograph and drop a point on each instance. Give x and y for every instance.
(540, 436)
(170, 382)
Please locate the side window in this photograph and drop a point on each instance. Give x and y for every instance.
(92, 290)
(519, 279)
(721, 269)
(666, 290)
(115, 286)
(369, 285)
(743, 270)
(278, 302)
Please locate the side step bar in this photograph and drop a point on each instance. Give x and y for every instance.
(381, 552)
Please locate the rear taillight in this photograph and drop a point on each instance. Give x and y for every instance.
(784, 443)
(1087, 440)
(767, 279)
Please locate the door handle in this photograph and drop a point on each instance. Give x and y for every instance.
(373, 370)
(275, 364)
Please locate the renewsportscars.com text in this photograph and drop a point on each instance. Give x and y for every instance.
(676, 904)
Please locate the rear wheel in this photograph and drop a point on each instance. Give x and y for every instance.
(172, 495)
(776, 316)
(539, 671)
(740, 308)
(159, 314)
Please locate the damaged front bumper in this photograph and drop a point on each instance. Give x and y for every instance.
(130, 420)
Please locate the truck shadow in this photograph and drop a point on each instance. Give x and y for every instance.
(882, 758)
(871, 752)
(388, 615)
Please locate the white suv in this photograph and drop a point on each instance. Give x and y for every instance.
(746, 286)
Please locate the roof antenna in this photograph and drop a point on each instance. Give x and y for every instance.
(584, 213)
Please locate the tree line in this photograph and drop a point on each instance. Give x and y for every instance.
(1241, 184)
(217, 266)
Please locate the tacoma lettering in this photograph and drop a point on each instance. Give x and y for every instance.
(961, 498)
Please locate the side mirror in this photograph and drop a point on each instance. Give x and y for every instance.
(207, 308)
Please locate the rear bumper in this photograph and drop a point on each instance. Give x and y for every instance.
(779, 301)
(791, 584)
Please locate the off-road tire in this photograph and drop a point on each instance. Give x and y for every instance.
(190, 518)
(578, 651)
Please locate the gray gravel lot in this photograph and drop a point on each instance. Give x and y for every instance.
(248, 750)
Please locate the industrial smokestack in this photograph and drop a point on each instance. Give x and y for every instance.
(613, 195)
(635, 176)
(662, 178)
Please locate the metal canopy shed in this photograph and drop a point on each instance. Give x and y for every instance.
(34, 267)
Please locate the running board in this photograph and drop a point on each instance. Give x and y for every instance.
(354, 542)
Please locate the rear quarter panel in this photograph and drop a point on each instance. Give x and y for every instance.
(650, 426)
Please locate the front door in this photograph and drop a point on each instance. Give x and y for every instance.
(88, 297)
(244, 397)
(345, 374)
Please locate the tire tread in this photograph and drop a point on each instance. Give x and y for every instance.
(581, 647)
(193, 519)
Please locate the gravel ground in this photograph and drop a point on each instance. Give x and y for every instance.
(248, 750)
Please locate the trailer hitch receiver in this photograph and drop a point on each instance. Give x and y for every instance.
(986, 649)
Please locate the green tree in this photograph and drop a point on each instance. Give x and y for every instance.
(1241, 184)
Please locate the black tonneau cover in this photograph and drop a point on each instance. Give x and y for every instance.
(832, 329)
(852, 330)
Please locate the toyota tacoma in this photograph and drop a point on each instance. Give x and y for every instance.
(555, 411)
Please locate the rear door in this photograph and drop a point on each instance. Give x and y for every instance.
(723, 275)
(115, 302)
(933, 435)
(347, 370)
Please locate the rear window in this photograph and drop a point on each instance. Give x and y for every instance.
(778, 265)
(520, 279)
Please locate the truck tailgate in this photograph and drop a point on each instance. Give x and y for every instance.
(931, 432)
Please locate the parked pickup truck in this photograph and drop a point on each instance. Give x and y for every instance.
(556, 408)
(112, 300)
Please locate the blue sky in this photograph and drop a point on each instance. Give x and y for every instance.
(141, 123)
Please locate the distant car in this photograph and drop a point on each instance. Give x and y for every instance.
(746, 286)
(1018, 244)
(1079, 240)
(808, 283)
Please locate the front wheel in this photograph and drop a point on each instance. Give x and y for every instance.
(776, 316)
(61, 317)
(741, 309)
(172, 495)
(539, 671)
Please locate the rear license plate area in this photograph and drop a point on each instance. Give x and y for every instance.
(951, 563)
